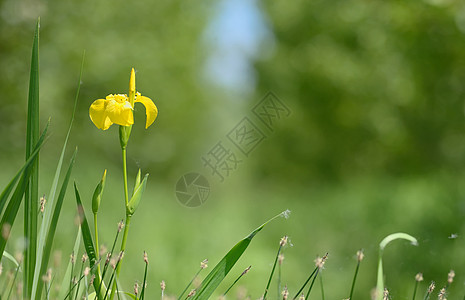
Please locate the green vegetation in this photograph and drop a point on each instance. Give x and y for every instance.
(373, 144)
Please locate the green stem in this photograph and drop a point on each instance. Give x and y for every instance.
(125, 178)
(415, 290)
(123, 246)
(353, 281)
(97, 254)
(272, 272)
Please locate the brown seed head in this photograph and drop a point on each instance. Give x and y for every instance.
(84, 258)
(302, 297)
(120, 225)
(6, 229)
(120, 256)
(320, 261)
(86, 271)
(280, 259)
(92, 278)
(191, 293)
(442, 294)
(113, 263)
(204, 264)
(19, 257)
(419, 277)
(246, 270)
(136, 289)
(450, 276)
(146, 259)
(285, 293)
(283, 241)
(47, 277)
(72, 258)
(107, 260)
(162, 285)
(385, 294)
(42, 203)
(360, 255)
(431, 287)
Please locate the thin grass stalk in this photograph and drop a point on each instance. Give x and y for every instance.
(279, 281)
(142, 293)
(429, 291)
(72, 272)
(313, 281)
(272, 271)
(322, 288)
(106, 264)
(305, 284)
(79, 283)
(354, 280)
(111, 281)
(415, 290)
(189, 284)
(13, 283)
(237, 279)
(80, 278)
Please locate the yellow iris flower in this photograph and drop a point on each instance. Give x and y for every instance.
(117, 109)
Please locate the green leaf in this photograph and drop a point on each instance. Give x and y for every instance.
(9, 188)
(11, 258)
(44, 227)
(219, 272)
(14, 203)
(53, 225)
(32, 192)
(137, 182)
(87, 237)
(137, 196)
(382, 245)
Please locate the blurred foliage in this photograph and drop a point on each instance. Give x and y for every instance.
(375, 142)
(376, 87)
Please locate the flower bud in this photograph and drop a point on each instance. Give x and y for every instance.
(97, 197)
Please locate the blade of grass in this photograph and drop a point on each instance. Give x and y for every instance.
(53, 225)
(237, 279)
(11, 258)
(382, 245)
(87, 238)
(32, 192)
(305, 283)
(77, 244)
(45, 226)
(219, 272)
(12, 208)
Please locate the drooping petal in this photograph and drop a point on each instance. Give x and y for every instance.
(98, 114)
(120, 113)
(151, 110)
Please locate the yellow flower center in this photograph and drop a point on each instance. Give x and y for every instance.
(120, 98)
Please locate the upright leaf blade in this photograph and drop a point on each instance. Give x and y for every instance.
(219, 272)
(87, 237)
(32, 192)
(14, 203)
(53, 225)
(45, 225)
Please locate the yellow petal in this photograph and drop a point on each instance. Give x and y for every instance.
(120, 113)
(98, 114)
(151, 110)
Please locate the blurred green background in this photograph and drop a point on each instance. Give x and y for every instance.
(374, 143)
